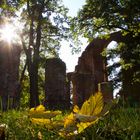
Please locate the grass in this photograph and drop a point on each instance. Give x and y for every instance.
(19, 127)
(119, 124)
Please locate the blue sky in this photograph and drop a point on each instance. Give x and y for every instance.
(73, 5)
(65, 51)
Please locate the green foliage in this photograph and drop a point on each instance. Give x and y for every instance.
(54, 25)
(103, 16)
(8, 8)
(19, 127)
(45, 24)
(121, 123)
(24, 98)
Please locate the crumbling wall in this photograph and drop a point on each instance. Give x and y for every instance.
(9, 73)
(56, 93)
(91, 71)
(83, 87)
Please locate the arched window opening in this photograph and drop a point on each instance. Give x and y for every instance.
(113, 66)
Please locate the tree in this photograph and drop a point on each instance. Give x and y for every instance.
(9, 64)
(45, 24)
(100, 17)
(43, 30)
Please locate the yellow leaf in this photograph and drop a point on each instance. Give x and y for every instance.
(41, 121)
(97, 104)
(85, 118)
(76, 109)
(32, 110)
(92, 106)
(82, 125)
(85, 109)
(69, 121)
(57, 125)
(89, 112)
(45, 115)
(40, 108)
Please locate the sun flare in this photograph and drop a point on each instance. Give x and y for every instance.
(8, 33)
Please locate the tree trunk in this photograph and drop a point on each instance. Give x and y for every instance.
(4, 103)
(34, 95)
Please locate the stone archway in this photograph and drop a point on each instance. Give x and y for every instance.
(113, 60)
(91, 70)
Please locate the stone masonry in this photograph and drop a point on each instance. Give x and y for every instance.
(91, 71)
(9, 73)
(56, 93)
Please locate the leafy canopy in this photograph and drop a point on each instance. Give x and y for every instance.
(100, 16)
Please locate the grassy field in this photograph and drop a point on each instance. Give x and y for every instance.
(119, 124)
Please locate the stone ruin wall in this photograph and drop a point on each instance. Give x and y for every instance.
(90, 71)
(9, 72)
(90, 75)
(56, 91)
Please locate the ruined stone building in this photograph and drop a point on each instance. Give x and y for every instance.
(90, 74)
(56, 95)
(9, 73)
(89, 77)
(90, 71)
